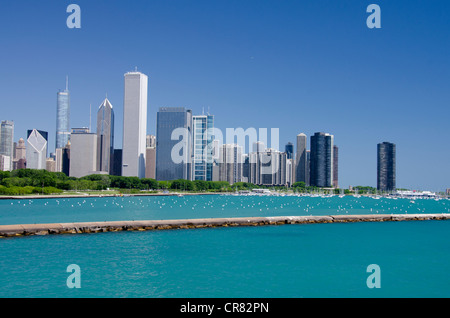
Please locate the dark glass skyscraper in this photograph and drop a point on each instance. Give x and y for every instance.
(62, 117)
(321, 169)
(173, 143)
(289, 150)
(386, 166)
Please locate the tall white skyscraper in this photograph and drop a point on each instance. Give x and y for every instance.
(134, 124)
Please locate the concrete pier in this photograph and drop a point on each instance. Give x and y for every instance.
(113, 226)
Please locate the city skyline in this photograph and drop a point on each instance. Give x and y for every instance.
(339, 76)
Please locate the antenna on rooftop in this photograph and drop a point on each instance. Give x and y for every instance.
(67, 82)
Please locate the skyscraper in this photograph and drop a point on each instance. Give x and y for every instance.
(173, 143)
(321, 169)
(335, 166)
(7, 142)
(105, 137)
(134, 124)
(386, 179)
(83, 153)
(203, 137)
(62, 117)
(36, 149)
(300, 167)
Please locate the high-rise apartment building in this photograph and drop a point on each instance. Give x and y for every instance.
(202, 161)
(36, 149)
(386, 153)
(7, 143)
(134, 124)
(321, 165)
(173, 143)
(335, 166)
(268, 167)
(230, 163)
(62, 117)
(300, 164)
(105, 137)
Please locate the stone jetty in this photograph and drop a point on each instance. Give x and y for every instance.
(145, 225)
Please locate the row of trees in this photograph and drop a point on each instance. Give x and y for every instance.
(28, 181)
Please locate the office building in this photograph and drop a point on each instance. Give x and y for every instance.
(203, 128)
(134, 124)
(5, 163)
(173, 143)
(150, 163)
(62, 159)
(36, 149)
(7, 143)
(105, 137)
(117, 162)
(62, 117)
(386, 179)
(321, 165)
(300, 164)
(83, 153)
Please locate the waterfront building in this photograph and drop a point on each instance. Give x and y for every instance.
(300, 164)
(134, 124)
(203, 129)
(62, 117)
(173, 143)
(335, 166)
(36, 149)
(83, 153)
(230, 163)
(321, 165)
(386, 178)
(7, 142)
(105, 137)
(268, 167)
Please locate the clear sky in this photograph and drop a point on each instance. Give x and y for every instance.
(300, 66)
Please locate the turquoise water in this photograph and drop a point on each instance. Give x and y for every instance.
(172, 207)
(305, 260)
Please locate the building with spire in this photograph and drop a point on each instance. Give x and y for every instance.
(62, 117)
(105, 137)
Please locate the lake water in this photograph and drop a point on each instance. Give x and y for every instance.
(304, 260)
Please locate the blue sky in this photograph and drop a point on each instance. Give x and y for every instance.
(300, 66)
